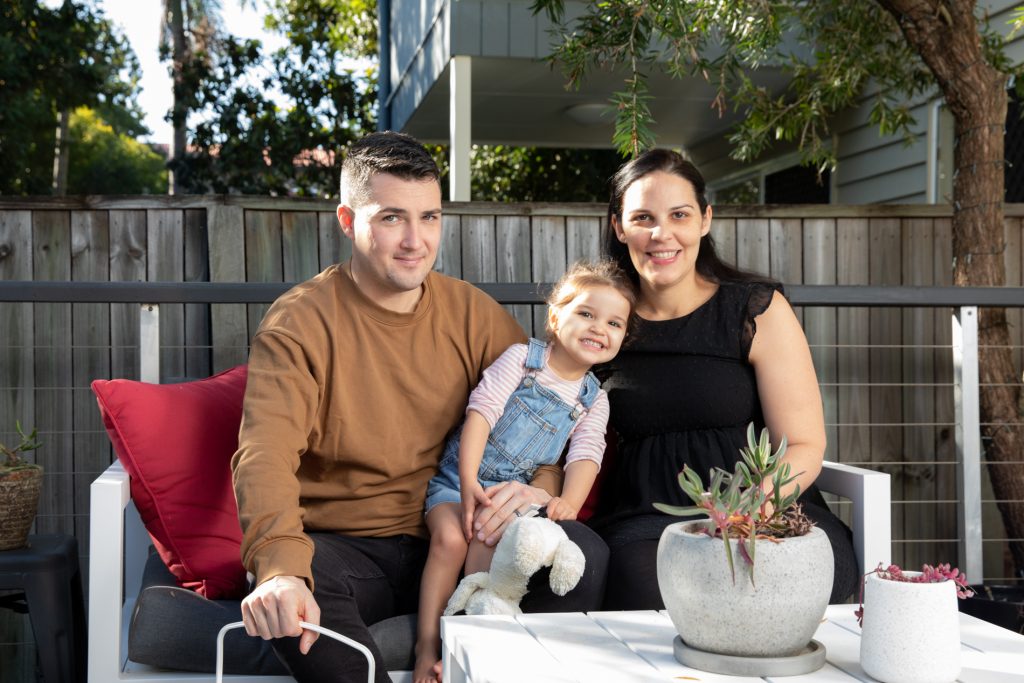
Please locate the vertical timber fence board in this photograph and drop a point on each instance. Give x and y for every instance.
(753, 245)
(852, 356)
(918, 398)
(334, 246)
(51, 238)
(90, 324)
(226, 235)
(819, 255)
(300, 245)
(513, 260)
(198, 340)
(263, 257)
(582, 239)
(886, 371)
(479, 257)
(945, 475)
(786, 253)
(127, 264)
(723, 235)
(165, 233)
(449, 250)
(548, 237)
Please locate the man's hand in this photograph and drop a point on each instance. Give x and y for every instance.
(558, 510)
(275, 608)
(507, 498)
(473, 498)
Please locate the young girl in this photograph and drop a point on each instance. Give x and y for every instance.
(529, 402)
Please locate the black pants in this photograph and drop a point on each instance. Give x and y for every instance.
(360, 581)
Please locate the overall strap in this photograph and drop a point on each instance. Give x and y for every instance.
(535, 355)
(588, 390)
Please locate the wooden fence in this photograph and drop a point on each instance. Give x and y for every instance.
(886, 373)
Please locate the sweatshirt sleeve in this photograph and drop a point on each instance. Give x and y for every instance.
(587, 441)
(277, 416)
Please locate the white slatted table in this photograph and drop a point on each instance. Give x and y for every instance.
(632, 647)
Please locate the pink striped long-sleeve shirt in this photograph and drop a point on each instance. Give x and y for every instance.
(586, 441)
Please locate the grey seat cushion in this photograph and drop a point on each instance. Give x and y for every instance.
(174, 628)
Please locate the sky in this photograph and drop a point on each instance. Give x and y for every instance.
(140, 22)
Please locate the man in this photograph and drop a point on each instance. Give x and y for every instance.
(356, 377)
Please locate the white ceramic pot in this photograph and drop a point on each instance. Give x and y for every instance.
(775, 617)
(911, 631)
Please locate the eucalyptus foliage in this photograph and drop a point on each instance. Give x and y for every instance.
(831, 50)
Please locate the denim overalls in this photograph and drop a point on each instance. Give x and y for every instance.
(532, 431)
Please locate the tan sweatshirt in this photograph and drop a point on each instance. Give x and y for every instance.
(347, 408)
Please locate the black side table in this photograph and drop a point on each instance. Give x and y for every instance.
(47, 573)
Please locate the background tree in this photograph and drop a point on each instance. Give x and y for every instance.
(53, 61)
(272, 123)
(831, 49)
(107, 162)
(187, 30)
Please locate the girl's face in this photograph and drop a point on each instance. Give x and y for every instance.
(589, 328)
(661, 226)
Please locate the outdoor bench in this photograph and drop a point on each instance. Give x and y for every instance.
(144, 627)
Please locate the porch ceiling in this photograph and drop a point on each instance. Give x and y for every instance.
(525, 102)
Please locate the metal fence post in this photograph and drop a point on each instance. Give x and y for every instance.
(149, 343)
(968, 439)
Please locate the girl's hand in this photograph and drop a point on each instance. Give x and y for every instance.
(559, 510)
(473, 496)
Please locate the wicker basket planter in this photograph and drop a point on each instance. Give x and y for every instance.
(19, 499)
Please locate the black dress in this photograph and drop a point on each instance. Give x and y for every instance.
(682, 391)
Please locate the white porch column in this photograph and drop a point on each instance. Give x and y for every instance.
(460, 138)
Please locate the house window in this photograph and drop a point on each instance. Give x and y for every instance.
(797, 185)
(744, 192)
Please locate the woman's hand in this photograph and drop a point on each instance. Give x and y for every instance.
(506, 499)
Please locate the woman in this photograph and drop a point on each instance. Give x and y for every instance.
(714, 350)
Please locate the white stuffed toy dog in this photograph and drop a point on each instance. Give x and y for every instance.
(528, 544)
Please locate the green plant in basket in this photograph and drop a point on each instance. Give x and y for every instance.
(747, 504)
(13, 462)
(20, 483)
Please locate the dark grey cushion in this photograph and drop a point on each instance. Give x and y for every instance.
(174, 628)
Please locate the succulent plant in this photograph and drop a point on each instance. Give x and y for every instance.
(737, 504)
(13, 462)
(928, 574)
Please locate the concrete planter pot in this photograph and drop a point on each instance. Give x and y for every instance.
(774, 618)
(911, 631)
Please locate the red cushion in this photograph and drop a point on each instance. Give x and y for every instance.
(176, 442)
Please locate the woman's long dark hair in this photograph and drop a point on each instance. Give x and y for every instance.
(708, 265)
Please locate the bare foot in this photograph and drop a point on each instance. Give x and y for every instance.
(427, 669)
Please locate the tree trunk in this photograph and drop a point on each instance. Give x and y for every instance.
(60, 155)
(946, 36)
(179, 110)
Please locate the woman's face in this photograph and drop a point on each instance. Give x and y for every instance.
(661, 226)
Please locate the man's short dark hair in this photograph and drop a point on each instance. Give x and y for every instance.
(388, 152)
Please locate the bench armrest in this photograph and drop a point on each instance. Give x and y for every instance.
(118, 544)
(868, 490)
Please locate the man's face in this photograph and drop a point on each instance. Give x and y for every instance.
(394, 239)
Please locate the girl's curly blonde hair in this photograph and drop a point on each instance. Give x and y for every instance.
(584, 274)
